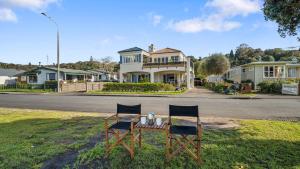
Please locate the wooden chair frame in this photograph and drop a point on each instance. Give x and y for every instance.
(121, 136)
(183, 142)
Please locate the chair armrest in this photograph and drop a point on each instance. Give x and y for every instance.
(137, 117)
(112, 116)
(106, 125)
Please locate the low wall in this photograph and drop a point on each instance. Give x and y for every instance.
(81, 87)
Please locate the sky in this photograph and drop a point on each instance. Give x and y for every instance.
(101, 28)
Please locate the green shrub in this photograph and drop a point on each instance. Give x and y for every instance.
(272, 86)
(138, 87)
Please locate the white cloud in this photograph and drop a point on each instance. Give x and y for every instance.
(7, 15)
(8, 5)
(111, 40)
(235, 7)
(197, 25)
(221, 17)
(154, 18)
(186, 9)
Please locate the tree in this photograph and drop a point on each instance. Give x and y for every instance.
(216, 64)
(286, 14)
(268, 58)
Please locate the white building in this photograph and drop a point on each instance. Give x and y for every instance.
(262, 71)
(165, 65)
(42, 74)
(8, 76)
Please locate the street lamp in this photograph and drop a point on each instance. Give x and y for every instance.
(53, 21)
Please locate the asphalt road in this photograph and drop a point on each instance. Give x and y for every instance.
(217, 107)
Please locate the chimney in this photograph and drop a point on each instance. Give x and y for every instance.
(151, 48)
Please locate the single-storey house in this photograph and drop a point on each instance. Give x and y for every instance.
(102, 75)
(8, 76)
(263, 71)
(42, 74)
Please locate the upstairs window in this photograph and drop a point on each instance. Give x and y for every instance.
(175, 58)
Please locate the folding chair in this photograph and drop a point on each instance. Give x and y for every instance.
(184, 135)
(121, 127)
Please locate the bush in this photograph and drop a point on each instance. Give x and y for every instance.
(217, 87)
(271, 86)
(138, 87)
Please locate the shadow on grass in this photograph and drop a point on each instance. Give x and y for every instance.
(221, 149)
(29, 143)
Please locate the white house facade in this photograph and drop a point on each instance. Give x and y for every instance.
(165, 66)
(42, 74)
(262, 71)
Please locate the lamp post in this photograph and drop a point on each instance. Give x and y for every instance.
(57, 41)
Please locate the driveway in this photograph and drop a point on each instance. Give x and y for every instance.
(210, 104)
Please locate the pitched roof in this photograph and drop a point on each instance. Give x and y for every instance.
(75, 71)
(10, 72)
(132, 49)
(70, 71)
(166, 50)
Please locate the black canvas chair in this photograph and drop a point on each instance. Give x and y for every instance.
(121, 127)
(187, 137)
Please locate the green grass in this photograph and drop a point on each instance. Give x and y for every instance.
(137, 93)
(30, 137)
(27, 90)
(257, 144)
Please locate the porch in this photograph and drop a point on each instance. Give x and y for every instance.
(177, 78)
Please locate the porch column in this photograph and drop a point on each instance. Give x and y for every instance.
(188, 74)
(121, 78)
(178, 80)
(152, 77)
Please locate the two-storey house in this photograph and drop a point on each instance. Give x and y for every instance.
(165, 66)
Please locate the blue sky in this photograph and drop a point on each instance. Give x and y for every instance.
(101, 28)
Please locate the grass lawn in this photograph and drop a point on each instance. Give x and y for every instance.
(137, 93)
(31, 137)
(27, 90)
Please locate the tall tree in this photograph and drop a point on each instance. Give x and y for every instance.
(216, 64)
(286, 13)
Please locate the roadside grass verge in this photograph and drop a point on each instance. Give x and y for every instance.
(31, 137)
(136, 93)
(27, 90)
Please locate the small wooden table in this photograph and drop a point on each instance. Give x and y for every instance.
(146, 126)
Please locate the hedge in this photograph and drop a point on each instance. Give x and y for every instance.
(272, 86)
(138, 87)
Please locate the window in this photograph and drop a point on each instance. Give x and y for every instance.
(278, 71)
(51, 76)
(244, 70)
(175, 58)
(273, 71)
(32, 79)
(292, 72)
(158, 60)
(166, 59)
(155, 60)
(137, 58)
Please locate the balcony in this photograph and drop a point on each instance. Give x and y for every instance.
(164, 65)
